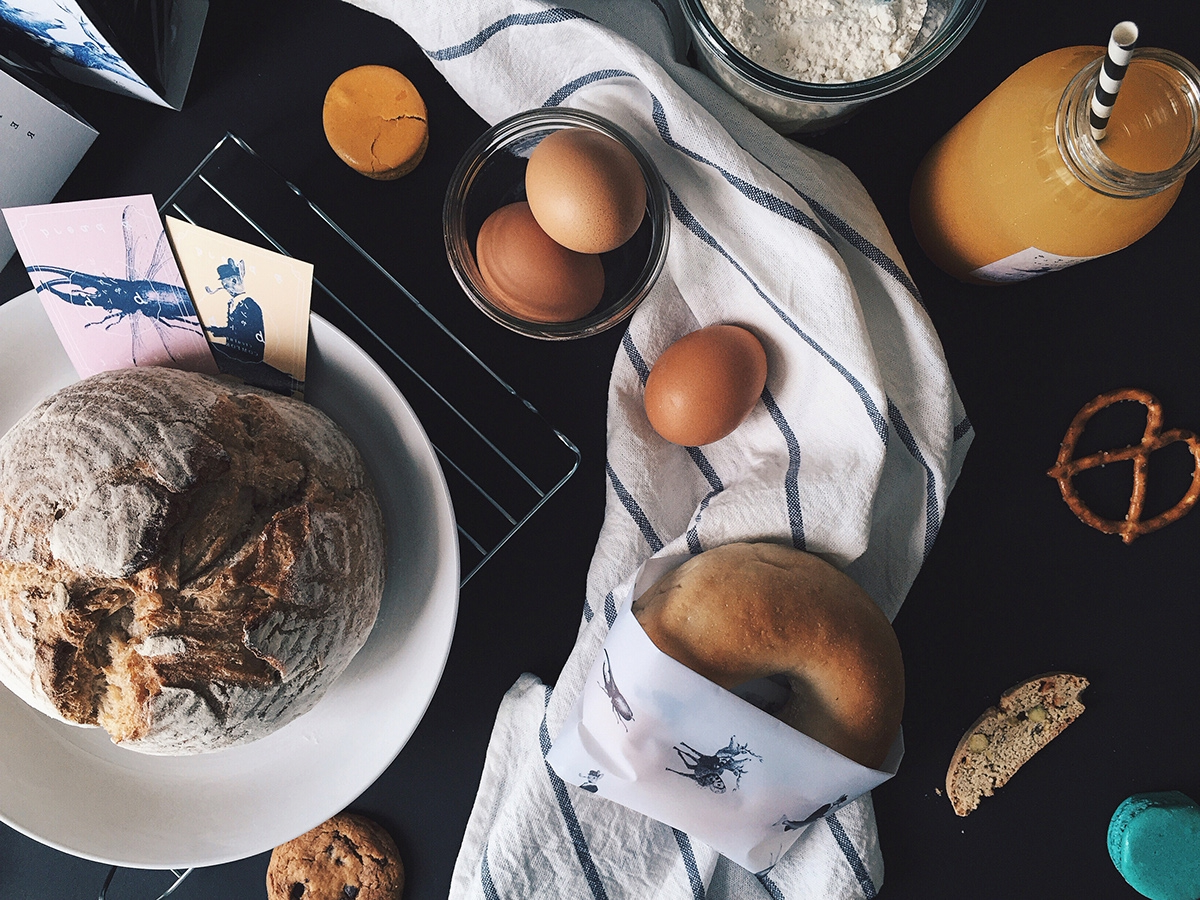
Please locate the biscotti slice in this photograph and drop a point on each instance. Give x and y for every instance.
(1005, 737)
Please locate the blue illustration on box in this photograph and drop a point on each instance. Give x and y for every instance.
(56, 36)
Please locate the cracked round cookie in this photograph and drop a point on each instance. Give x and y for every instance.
(376, 122)
(347, 857)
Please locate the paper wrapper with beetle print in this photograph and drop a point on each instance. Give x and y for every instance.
(652, 735)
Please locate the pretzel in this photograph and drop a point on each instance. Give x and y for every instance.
(1153, 438)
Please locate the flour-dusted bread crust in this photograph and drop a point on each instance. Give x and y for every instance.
(1007, 736)
(184, 562)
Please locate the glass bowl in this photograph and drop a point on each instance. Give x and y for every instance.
(791, 106)
(491, 174)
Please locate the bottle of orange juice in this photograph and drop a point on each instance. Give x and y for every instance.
(1020, 187)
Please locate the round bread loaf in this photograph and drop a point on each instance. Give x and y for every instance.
(186, 563)
(741, 612)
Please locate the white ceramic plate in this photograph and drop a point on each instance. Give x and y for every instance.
(73, 789)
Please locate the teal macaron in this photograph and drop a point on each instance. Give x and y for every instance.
(1154, 841)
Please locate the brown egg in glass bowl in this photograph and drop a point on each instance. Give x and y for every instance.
(497, 250)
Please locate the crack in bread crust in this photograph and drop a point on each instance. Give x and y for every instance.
(187, 563)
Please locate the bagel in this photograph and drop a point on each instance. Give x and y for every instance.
(745, 611)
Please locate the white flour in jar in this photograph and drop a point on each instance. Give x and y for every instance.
(822, 41)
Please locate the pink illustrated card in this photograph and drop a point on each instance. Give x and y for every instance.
(108, 281)
(254, 305)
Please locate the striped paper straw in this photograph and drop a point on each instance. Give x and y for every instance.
(1112, 73)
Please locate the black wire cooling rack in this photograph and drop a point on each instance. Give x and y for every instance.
(502, 460)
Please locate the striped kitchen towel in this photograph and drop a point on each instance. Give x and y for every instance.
(851, 453)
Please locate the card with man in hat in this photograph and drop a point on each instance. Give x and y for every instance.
(253, 303)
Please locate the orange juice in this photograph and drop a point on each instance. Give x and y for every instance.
(1019, 186)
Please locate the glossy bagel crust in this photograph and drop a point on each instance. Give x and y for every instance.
(745, 611)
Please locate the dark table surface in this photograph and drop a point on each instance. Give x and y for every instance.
(1014, 586)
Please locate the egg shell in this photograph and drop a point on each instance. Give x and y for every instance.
(532, 276)
(586, 190)
(704, 385)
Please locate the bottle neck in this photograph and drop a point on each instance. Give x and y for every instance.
(1082, 153)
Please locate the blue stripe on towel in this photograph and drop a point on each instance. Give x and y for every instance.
(706, 469)
(962, 428)
(485, 878)
(689, 863)
(852, 857)
(590, 873)
(763, 198)
(693, 225)
(610, 608)
(715, 487)
(635, 511)
(771, 887)
(753, 193)
(466, 48)
(791, 479)
(575, 84)
(635, 357)
(933, 519)
(698, 457)
(861, 244)
(693, 532)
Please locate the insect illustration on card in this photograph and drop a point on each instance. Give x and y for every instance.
(138, 298)
(620, 706)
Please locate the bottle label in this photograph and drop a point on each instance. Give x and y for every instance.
(1026, 264)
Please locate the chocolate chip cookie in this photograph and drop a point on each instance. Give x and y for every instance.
(347, 857)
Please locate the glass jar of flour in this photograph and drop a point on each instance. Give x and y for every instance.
(1019, 186)
(781, 96)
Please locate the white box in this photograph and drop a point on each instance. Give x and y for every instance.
(144, 50)
(41, 142)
